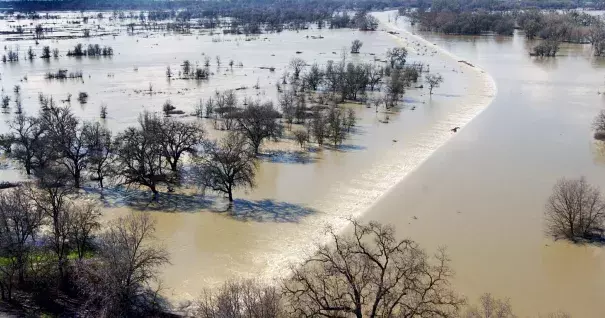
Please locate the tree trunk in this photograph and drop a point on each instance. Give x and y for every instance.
(155, 192)
(77, 178)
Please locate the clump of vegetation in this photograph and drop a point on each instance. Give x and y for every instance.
(83, 97)
(63, 74)
(10, 56)
(5, 101)
(356, 46)
(467, 22)
(433, 81)
(575, 211)
(546, 49)
(45, 52)
(169, 109)
(599, 126)
(91, 51)
(103, 114)
(301, 136)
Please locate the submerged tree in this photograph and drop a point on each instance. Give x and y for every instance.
(397, 57)
(434, 81)
(140, 156)
(258, 122)
(100, 152)
(67, 137)
(297, 65)
(31, 142)
(575, 210)
(178, 138)
(355, 46)
(227, 165)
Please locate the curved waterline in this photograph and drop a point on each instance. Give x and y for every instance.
(357, 196)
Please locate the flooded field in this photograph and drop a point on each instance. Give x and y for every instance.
(274, 225)
(480, 191)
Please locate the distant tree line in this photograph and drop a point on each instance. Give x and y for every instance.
(466, 22)
(550, 26)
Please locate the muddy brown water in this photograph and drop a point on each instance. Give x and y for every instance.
(525, 122)
(483, 193)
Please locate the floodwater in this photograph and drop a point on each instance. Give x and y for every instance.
(483, 193)
(277, 223)
(480, 191)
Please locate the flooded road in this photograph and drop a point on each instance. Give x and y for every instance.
(483, 193)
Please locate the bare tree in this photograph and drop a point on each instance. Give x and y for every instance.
(286, 102)
(575, 210)
(374, 75)
(372, 274)
(301, 136)
(247, 299)
(39, 31)
(395, 88)
(67, 137)
(351, 119)
(336, 125)
(52, 199)
(178, 138)
(139, 155)
(186, 67)
(84, 221)
(319, 127)
(258, 122)
(355, 46)
(20, 222)
(228, 165)
(397, 57)
(297, 65)
(490, 307)
(100, 151)
(313, 77)
(599, 125)
(118, 281)
(434, 81)
(31, 142)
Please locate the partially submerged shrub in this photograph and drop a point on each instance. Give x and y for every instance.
(83, 97)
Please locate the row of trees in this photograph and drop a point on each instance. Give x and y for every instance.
(93, 50)
(151, 153)
(51, 246)
(469, 23)
(552, 27)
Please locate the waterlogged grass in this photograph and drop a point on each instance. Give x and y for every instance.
(4, 261)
